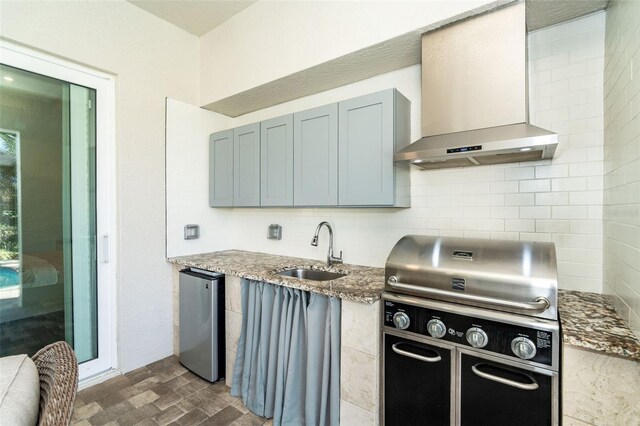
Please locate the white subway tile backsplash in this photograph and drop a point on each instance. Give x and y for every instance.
(519, 173)
(519, 199)
(552, 198)
(553, 226)
(550, 62)
(585, 270)
(586, 227)
(537, 236)
(491, 200)
(504, 212)
(578, 241)
(578, 255)
(569, 184)
(552, 171)
(570, 212)
(503, 187)
(537, 185)
(537, 212)
(490, 225)
(520, 225)
(592, 168)
(577, 69)
(585, 198)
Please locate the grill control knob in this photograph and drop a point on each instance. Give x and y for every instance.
(523, 348)
(401, 320)
(477, 337)
(436, 328)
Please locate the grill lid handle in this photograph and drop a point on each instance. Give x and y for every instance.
(540, 304)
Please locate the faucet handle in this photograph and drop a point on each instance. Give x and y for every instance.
(337, 259)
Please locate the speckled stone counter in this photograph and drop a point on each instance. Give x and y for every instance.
(590, 322)
(361, 284)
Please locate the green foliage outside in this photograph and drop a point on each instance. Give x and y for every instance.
(8, 197)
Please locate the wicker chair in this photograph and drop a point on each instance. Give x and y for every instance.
(58, 369)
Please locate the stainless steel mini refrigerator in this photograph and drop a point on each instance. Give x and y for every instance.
(202, 346)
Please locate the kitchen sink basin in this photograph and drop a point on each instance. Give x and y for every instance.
(311, 274)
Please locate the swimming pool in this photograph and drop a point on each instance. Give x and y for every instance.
(9, 277)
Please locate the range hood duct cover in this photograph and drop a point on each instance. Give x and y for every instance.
(475, 95)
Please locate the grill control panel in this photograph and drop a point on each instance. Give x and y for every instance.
(516, 341)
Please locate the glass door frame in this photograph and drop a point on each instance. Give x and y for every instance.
(106, 229)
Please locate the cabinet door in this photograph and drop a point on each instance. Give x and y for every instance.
(315, 164)
(276, 161)
(366, 144)
(246, 160)
(485, 385)
(417, 383)
(221, 169)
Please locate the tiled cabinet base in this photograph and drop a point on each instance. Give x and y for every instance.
(597, 389)
(600, 389)
(360, 355)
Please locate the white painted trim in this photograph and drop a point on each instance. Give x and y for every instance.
(104, 84)
(87, 382)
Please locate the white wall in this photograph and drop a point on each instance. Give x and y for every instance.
(559, 200)
(273, 39)
(150, 60)
(187, 196)
(622, 160)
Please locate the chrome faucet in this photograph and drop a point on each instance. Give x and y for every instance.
(314, 242)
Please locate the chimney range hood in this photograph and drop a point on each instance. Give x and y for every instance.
(474, 95)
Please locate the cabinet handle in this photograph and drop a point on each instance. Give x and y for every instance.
(415, 356)
(523, 386)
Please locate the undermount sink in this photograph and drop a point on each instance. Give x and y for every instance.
(311, 274)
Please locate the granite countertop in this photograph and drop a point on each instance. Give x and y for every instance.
(361, 284)
(588, 319)
(590, 322)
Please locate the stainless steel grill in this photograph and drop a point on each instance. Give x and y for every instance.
(511, 276)
(471, 333)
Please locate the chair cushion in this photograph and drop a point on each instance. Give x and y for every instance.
(19, 391)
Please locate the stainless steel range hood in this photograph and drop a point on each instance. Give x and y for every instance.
(475, 95)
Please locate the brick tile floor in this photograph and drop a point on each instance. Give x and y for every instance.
(162, 393)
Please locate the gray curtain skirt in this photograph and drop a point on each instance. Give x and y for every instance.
(288, 359)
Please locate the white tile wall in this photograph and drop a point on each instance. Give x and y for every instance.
(532, 201)
(622, 160)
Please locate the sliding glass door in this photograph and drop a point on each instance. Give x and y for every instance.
(53, 206)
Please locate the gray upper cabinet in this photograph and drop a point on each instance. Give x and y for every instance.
(246, 163)
(334, 155)
(315, 164)
(276, 161)
(221, 169)
(371, 129)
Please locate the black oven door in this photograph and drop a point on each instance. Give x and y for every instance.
(417, 382)
(493, 393)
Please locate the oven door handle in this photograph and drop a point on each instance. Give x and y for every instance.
(523, 386)
(540, 304)
(414, 356)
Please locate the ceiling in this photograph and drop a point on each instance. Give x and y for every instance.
(543, 13)
(198, 17)
(27, 83)
(195, 16)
